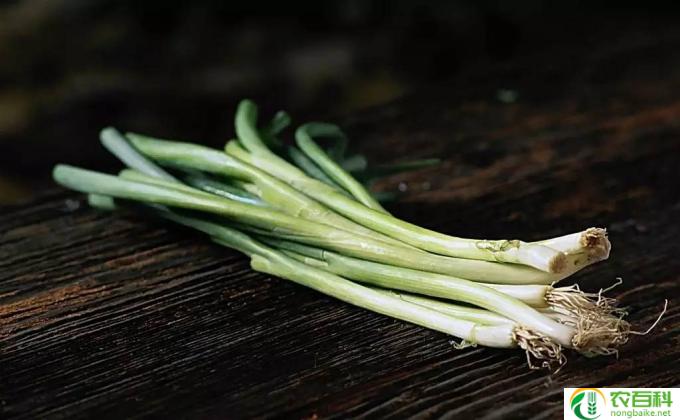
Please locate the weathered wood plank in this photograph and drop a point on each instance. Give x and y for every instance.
(122, 316)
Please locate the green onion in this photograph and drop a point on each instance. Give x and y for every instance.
(115, 143)
(268, 188)
(447, 287)
(317, 225)
(277, 224)
(507, 334)
(91, 182)
(422, 282)
(202, 182)
(310, 168)
(512, 251)
(492, 336)
(268, 260)
(304, 139)
(478, 316)
(562, 302)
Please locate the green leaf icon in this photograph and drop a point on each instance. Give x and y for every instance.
(577, 400)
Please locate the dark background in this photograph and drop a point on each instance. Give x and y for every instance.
(549, 118)
(177, 69)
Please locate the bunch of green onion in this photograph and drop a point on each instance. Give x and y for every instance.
(299, 213)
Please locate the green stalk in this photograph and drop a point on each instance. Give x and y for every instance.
(494, 274)
(118, 145)
(270, 189)
(602, 329)
(303, 136)
(270, 132)
(102, 202)
(245, 122)
(145, 170)
(478, 316)
(279, 224)
(354, 163)
(492, 336)
(136, 176)
(512, 251)
(445, 287)
(310, 168)
(421, 282)
(204, 183)
(468, 292)
(270, 261)
(533, 295)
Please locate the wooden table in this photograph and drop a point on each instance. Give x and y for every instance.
(115, 316)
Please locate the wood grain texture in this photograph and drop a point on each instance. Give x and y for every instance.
(112, 315)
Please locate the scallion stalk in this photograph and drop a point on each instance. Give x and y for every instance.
(268, 260)
(538, 347)
(310, 168)
(207, 184)
(569, 300)
(513, 251)
(281, 225)
(269, 189)
(478, 316)
(592, 243)
(118, 145)
(304, 137)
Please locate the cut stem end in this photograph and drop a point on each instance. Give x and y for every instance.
(595, 241)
